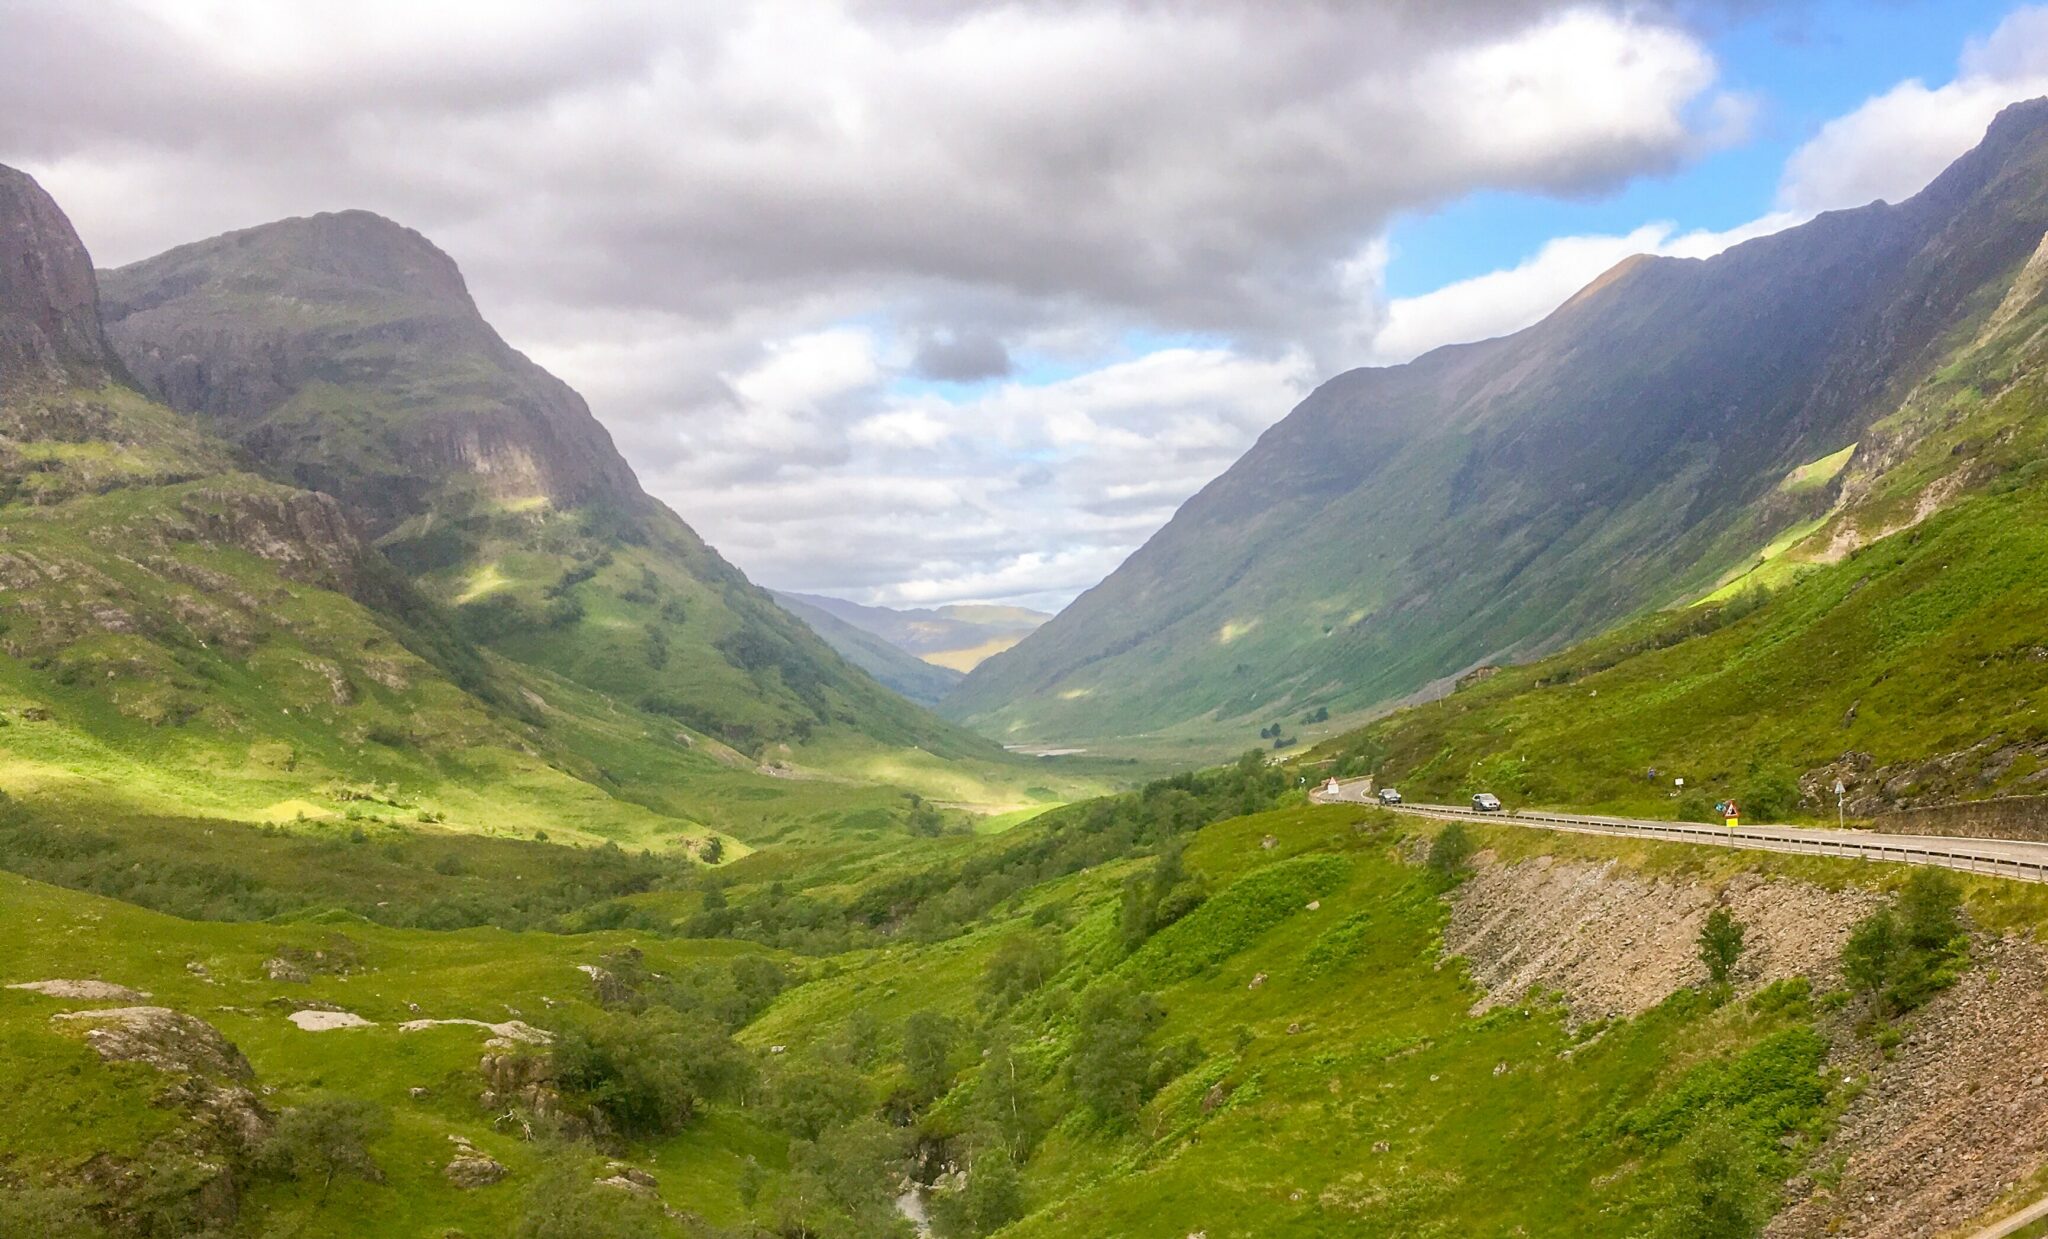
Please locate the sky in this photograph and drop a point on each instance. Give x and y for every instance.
(916, 302)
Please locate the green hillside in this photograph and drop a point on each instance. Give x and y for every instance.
(898, 669)
(1894, 645)
(1495, 501)
(1272, 1043)
(344, 353)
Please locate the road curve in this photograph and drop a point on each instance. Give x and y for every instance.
(2005, 858)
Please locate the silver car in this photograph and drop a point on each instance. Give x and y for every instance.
(1486, 802)
(1389, 795)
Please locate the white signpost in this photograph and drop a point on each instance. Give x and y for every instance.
(1840, 791)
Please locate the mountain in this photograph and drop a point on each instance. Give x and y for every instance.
(957, 637)
(922, 682)
(344, 354)
(1660, 433)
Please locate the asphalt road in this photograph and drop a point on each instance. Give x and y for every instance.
(2006, 858)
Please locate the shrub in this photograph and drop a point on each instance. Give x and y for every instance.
(325, 1138)
(1719, 1193)
(1720, 945)
(645, 1073)
(565, 1202)
(1450, 851)
(1903, 955)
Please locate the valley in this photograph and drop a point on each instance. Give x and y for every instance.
(410, 825)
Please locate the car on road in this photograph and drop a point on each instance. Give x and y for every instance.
(1486, 802)
(1389, 795)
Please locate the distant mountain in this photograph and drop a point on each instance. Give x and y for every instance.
(1668, 428)
(957, 637)
(922, 682)
(344, 354)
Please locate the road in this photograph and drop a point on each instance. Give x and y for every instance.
(2005, 858)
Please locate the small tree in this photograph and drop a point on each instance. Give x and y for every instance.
(1020, 966)
(928, 1040)
(1720, 945)
(1109, 1064)
(1451, 850)
(1902, 955)
(1870, 956)
(324, 1138)
(1720, 1194)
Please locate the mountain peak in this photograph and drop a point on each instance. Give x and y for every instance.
(328, 258)
(49, 300)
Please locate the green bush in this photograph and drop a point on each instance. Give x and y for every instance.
(646, 1073)
(1451, 850)
(1901, 956)
(325, 1138)
(1720, 945)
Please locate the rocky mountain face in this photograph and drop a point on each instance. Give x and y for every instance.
(1651, 439)
(345, 351)
(49, 308)
(345, 354)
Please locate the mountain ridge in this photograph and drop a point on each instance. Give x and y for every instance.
(344, 353)
(1494, 500)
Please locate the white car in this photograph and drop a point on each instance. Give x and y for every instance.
(1486, 802)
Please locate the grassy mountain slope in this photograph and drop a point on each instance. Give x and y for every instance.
(1894, 644)
(1496, 500)
(1349, 1088)
(181, 636)
(343, 352)
(922, 682)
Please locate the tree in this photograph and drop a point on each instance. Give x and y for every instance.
(928, 1040)
(1720, 1194)
(647, 1073)
(1902, 955)
(1019, 966)
(991, 1199)
(1005, 1099)
(324, 1138)
(1870, 956)
(1720, 945)
(809, 1098)
(842, 1183)
(1451, 849)
(1108, 1067)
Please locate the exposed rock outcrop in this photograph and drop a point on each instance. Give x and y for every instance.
(49, 302)
(1616, 943)
(1954, 1122)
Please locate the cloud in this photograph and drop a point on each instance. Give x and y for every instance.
(746, 231)
(962, 358)
(1896, 142)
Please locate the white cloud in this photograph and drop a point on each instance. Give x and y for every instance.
(738, 228)
(1895, 143)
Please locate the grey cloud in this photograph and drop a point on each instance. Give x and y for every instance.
(653, 199)
(964, 358)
